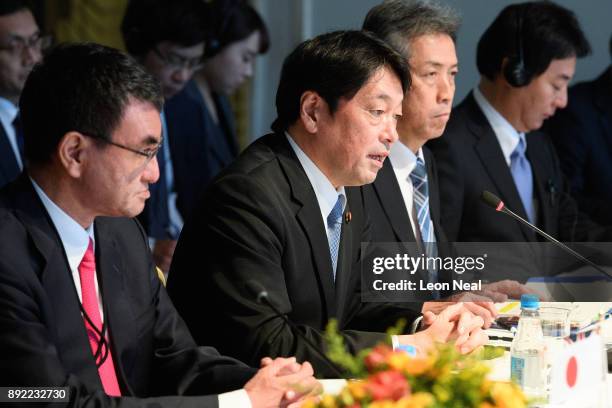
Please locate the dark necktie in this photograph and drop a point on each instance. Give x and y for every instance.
(18, 134)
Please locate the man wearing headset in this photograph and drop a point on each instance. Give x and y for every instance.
(526, 59)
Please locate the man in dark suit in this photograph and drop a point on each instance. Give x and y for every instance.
(20, 48)
(81, 306)
(167, 38)
(283, 214)
(424, 33)
(582, 136)
(526, 59)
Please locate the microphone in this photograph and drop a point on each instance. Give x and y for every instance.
(261, 295)
(492, 200)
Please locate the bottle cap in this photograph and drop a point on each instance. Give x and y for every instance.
(529, 301)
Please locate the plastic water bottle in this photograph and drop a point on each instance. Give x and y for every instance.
(527, 365)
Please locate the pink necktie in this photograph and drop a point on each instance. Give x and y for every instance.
(87, 270)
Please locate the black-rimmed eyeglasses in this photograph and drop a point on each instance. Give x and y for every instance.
(149, 153)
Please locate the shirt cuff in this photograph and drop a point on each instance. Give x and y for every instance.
(395, 342)
(238, 398)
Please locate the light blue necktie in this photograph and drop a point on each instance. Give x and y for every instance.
(523, 177)
(334, 230)
(418, 176)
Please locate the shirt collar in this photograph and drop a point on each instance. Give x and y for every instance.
(75, 238)
(507, 136)
(403, 158)
(324, 190)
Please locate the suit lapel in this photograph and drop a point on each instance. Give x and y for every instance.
(118, 314)
(344, 268)
(390, 198)
(68, 327)
(434, 194)
(308, 215)
(490, 153)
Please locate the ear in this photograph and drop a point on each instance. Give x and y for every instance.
(72, 152)
(311, 108)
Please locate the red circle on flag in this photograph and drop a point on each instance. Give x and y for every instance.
(571, 372)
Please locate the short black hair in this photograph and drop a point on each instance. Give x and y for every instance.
(400, 21)
(80, 87)
(334, 65)
(548, 32)
(8, 7)
(147, 23)
(232, 21)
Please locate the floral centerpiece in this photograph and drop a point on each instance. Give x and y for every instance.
(385, 378)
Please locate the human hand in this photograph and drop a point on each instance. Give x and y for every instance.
(477, 304)
(456, 323)
(512, 289)
(281, 382)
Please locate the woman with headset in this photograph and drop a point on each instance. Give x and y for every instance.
(200, 122)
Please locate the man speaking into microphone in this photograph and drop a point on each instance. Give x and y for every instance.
(287, 215)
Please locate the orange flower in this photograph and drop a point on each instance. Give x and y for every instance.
(357, 389)
(388, 385)
(377, 357)
(417, 366)
(398, 360)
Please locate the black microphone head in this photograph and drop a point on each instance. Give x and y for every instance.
(257, 290)
(492, 200)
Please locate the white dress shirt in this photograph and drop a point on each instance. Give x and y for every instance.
(75, 240)
(403, 161)
(8, 113)
(507, 136)
(324, 190)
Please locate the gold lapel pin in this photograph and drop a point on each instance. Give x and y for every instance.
(348, 216)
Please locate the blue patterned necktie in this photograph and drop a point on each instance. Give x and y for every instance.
(418, 176)
(334, 229)
(523, 177)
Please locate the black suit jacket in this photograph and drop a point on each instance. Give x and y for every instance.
(260, 220)
(9, 168)
(43, 341)
(582, 134)
(470, 160)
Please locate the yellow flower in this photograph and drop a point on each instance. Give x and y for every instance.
(507, 395)
(357, 389)
(417, 400)
(328, 401)
(398, 360)
(417, 366)
(383, 404)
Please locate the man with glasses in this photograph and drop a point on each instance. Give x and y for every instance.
(80, 304)
(20, 48)
(167, 38)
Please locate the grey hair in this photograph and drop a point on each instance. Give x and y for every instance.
(400, 21)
